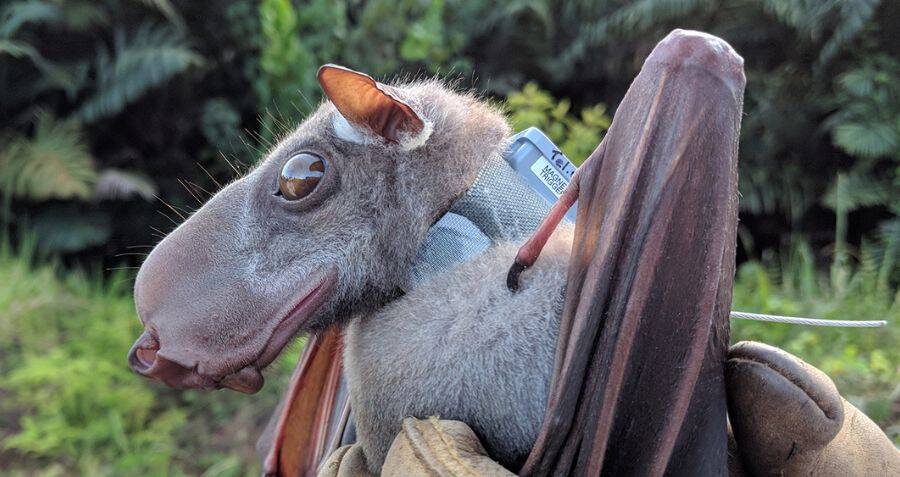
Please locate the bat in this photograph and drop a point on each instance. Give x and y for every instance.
(321, 234)
(601, 350)
(318, 237)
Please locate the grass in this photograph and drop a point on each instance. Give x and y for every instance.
(863, 362)
(69, 404)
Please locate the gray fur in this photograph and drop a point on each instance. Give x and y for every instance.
(461, 346)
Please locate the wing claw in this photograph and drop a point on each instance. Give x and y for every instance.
(512, 278)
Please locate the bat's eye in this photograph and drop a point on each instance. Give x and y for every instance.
(300, 175)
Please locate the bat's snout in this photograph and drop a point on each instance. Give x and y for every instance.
(216, 313)
(145, 359)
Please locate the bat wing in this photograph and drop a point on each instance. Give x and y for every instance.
(313, 417)
(638, 387)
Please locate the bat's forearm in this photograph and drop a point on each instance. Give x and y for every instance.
(530, 251)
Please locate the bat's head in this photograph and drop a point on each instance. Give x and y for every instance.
(327, 225)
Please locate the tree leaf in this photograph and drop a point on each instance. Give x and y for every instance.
(867, 140)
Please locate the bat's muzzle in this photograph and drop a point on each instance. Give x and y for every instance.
(146, 359)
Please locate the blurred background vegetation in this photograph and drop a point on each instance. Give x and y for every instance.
(117, 117)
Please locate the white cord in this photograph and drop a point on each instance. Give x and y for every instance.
(807, 321)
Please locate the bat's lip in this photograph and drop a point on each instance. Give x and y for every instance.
(298, 316)
(148, 359)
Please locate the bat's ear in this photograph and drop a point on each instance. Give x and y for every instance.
(365, 103)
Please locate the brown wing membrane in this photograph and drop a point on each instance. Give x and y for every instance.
(313, 412)
(639, 383)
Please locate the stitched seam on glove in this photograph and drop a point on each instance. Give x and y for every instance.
(455, 463)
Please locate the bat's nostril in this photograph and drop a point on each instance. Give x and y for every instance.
(145, 357)
(142, 356)
(146, 360)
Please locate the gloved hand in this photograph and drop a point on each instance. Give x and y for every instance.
(789, 419)
(424, 448)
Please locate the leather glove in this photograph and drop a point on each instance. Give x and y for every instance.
(789, 419)
(424, 448)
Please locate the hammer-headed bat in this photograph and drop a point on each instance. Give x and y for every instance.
(605, 354)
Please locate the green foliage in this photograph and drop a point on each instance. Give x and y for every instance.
(286, 65)
(800, 56)
(831, 24)
(375, 36)
(810, 66)
(167, 9)
(577, 136)
(294, 44)
(115, 99)
(867, 120)
(221, 126)
(153, 55)
(51, 158)
(71, 405)
(862, 362)
(149, 58)
(615, 22)
(866, 124)
(386, 35)
(53, 164)
(431, 42)
(63, 344)
(67, 227)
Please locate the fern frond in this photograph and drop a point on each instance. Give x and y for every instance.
(844, 18)
(802, 15)
(860, 188)
(72, 15)
(858, 81)
(17, 49)
(117, 184)
(80, 16)
(872, 140)
(514, 9)
(631, 19)
(68, 227)
(54, 164)
(853, 17)
(54, 76)
(148, 59)
(166, 9)
(18, 14)
(765, 190)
